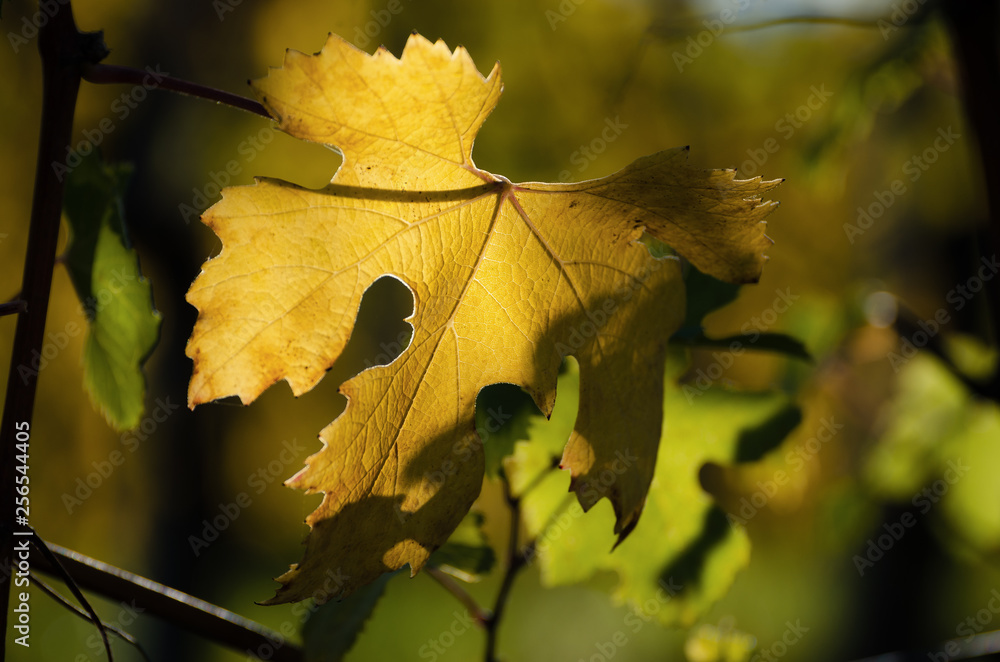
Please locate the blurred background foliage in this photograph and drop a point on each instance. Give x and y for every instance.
(839, 109)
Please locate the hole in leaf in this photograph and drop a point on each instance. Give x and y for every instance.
(380, 334)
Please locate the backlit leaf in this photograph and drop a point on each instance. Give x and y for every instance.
(507, 280)
(117, 301)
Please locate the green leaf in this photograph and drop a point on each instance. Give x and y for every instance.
(502, 414)
(332, 630)
(683, 555)
(123, 327)
(467, 554)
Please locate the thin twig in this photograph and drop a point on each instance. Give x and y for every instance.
(180, 609)
(516, 560)
(58, 569)
(838, 21)
(678, 30)
(449, 584)
(113, 629)
(109, 73)
(13, 307)
(542, 475)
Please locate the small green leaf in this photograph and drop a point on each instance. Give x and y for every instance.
(467, 555)
(332, 630)
(684, 554)
(116, 299)
(502, 414)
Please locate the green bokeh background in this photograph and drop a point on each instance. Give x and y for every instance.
(885, 96)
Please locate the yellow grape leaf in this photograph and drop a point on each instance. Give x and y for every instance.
(506, 280)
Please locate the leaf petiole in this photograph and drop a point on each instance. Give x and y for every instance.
(104, 74)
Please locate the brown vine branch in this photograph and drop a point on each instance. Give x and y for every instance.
(63, 50)
(109, 74)
(66, 54)
(178, 608)
(13, 307)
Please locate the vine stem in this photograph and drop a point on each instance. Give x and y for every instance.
(63, 50)
(516, 560)
(13, 307)
(68, 56)
(178, 608)
(449, 584)
(111, 74)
